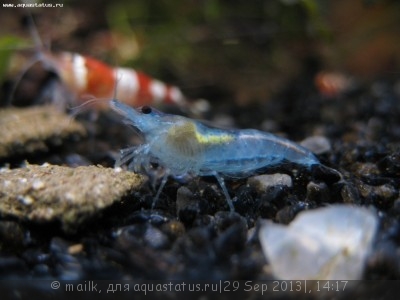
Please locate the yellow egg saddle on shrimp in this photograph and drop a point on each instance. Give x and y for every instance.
(185, 146)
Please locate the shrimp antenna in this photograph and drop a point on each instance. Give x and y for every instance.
(77, 109)
(118, 77)
(34, 32)
(39, 46)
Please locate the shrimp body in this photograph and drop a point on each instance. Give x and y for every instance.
(83, 75)
(185, 146)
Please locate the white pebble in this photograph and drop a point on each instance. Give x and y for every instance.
(329, 243)
(118, 170)
(26, 200)
(70, 197)
(263, 182)
(317, 144)
(23, 180)
(38, 185)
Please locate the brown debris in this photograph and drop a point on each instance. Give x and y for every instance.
(26, 130)
(70, 195)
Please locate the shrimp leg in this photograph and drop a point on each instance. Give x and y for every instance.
(160, 188)
(216, 175)
(139, 158)
(225, 190)
(126, 155)
(134, 154)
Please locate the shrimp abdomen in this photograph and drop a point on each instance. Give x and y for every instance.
(251, 150)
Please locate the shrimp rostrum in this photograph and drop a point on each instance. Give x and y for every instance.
(184, 146)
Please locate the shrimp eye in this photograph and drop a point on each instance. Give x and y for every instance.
(146, 110)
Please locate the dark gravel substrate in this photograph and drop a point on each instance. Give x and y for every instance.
(191, 234)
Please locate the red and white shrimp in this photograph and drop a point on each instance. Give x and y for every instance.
(82, 76)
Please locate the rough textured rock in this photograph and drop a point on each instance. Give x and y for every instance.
(70, 195)
(26, 130)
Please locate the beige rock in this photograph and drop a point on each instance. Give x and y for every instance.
(26, 130)
(70, 195)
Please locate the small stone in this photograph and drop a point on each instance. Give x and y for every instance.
(366, 169)
(26, 200)
(382, 192)
(141, 234)
(263, 182)
(231, 240)
(387, 192)
(58, 246)
(350, 194)
(34, 256)
(318, 192)
(187, 206)
(390, 165)
(173, 229)
(326, 174)
(38, 185)
(183, 198)
(317, 144)
(11, 234)
(272, 201)
(330, 243)
(288, 213)
(155, 238)
(75, 249)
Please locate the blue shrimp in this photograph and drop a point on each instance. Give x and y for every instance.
(185, 146)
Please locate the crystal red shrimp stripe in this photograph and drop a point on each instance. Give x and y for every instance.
(84, 75)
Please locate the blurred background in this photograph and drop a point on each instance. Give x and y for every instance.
(239, 53)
